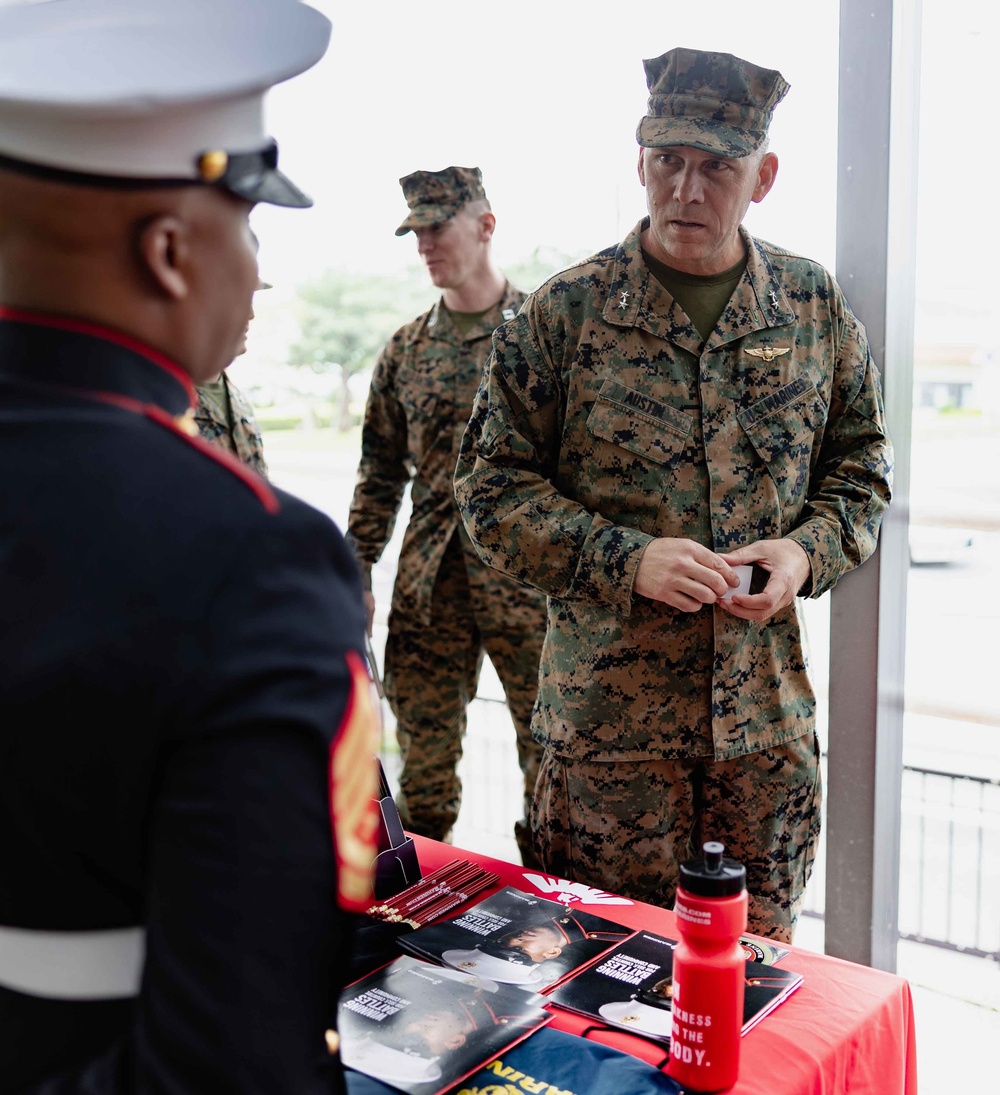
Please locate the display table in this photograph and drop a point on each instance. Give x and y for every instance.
(848, 1028)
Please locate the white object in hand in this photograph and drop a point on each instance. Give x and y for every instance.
(744, 573)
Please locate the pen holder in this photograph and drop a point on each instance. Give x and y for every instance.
(396, 865)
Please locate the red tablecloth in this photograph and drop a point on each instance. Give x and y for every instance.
(847, 1029)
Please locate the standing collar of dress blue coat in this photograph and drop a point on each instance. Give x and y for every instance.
(42, 350)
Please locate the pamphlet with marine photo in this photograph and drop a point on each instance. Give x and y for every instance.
(631, 988)
(422, 1028)
(516, 938)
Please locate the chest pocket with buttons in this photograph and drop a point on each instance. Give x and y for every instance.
(785, 428)
(626, 477)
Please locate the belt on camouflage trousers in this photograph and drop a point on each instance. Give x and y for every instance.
(73, 965)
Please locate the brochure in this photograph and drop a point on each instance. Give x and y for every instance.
(421, 1028)
(631, 988)
(762, 950)
(549, 1062)
(516, 938)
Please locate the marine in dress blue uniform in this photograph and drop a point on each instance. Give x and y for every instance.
(186, 733)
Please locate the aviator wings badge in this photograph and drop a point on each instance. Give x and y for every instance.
(767, 353)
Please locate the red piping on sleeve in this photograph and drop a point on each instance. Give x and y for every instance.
(250, 478)
(265, 495)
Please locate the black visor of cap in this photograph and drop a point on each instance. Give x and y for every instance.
(654, 999)
(250, 175)
(509, 954)
(255, 176)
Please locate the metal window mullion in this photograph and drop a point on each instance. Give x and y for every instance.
(980, 858)
(876, 200)
(948, 905)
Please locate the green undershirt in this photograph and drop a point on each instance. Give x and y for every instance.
(702, 298)
(465, 321)
(216, 394)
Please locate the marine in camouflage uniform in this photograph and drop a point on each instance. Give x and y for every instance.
(612, 438)
(223, 415)
(448, 607)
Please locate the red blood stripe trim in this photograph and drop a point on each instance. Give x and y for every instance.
(265, 495)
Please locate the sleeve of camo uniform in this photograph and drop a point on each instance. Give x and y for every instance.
(384, 467)
(851, 482)
(506, 481)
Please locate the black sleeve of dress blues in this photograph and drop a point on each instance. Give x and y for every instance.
(246, 947)
(244, 928)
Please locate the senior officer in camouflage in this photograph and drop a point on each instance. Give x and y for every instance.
(447, 607)
(186, 734)
(688, 401)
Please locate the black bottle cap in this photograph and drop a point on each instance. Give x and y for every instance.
(714, 875)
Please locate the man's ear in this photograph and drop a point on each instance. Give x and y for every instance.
(766, 173)
(642, 167)
(163, 253)
(487, 223)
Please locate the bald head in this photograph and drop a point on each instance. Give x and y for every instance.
(174, 267)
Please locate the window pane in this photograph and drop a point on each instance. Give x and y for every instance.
(949, 831)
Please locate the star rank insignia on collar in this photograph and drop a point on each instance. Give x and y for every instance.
(623, 303)
(767, 353)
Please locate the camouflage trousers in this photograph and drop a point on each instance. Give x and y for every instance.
(625, 826)
(431, 674)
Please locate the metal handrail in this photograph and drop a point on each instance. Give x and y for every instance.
(982, 905)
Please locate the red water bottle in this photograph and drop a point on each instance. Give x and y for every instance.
(709, 972)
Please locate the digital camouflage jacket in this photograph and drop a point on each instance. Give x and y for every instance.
(603, 422)
(419, 402)
(243, 440)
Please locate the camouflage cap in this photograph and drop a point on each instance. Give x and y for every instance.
(712, 101)
(436, 196)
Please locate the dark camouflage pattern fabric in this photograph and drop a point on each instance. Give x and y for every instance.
(712, 101)
(243, 439)
(431, 673)
(625, 827)
(603, 422)
(436, 196)
(447, 606)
